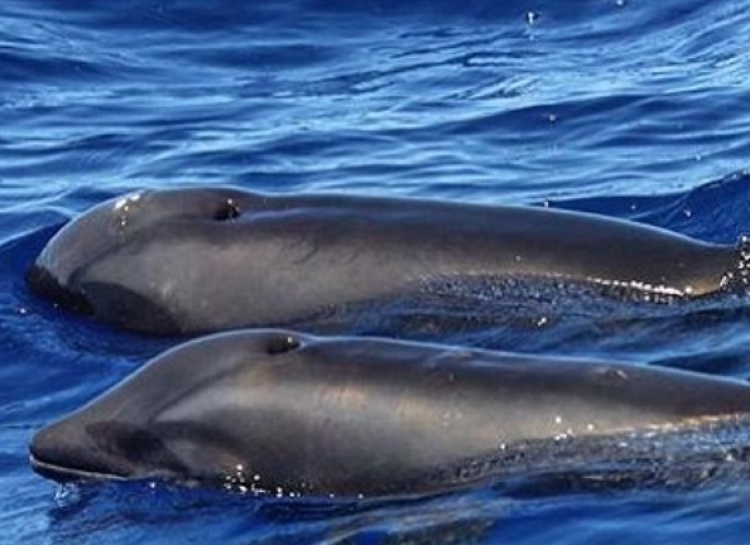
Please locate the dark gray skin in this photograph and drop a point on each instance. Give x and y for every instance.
(288, 413)
(199, 260)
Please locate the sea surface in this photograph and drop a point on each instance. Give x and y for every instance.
(629, 108)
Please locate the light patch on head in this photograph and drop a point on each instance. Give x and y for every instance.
(122, 206)
(123, 202)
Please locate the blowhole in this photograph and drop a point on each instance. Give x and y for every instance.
(227, 212)
(282, 345)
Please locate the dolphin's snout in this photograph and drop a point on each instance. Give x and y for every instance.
(42, 282)
(66, 452)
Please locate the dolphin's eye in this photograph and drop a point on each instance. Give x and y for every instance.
(227, 211)
(282, 345)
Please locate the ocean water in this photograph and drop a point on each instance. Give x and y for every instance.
(623, 107)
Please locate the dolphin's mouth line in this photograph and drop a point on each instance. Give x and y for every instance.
(66, 473)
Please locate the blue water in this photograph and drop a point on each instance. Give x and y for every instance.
(623, 107)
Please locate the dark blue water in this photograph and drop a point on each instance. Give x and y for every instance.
(623, 107)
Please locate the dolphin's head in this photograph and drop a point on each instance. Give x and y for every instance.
(64, 270)
(176, 419)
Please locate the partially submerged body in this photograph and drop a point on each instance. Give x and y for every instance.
(201, 260)
(274, 410)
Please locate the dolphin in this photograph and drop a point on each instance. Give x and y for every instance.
(189, 261)
(286, 413)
